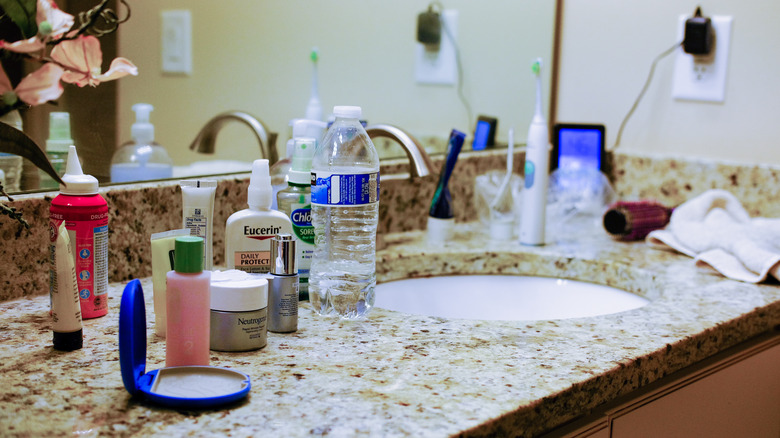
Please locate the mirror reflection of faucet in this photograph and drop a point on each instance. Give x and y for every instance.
(206, 139)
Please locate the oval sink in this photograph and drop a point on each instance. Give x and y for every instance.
(503, 297)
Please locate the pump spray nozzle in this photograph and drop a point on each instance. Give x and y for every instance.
(142, 131)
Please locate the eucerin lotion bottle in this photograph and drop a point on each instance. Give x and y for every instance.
(248, 232)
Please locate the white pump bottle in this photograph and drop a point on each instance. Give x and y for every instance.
(248, 232)
(141, 159)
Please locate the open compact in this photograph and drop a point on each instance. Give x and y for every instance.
(184, 387)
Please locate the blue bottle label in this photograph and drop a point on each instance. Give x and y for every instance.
(344, 189)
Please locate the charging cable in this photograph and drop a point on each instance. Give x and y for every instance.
(664, 54)
(458, 62)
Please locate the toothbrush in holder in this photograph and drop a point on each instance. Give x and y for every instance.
(502, 207)
(537, 162)
(441, 217)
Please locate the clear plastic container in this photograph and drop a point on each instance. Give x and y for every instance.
(11, 164)
(56, 148)
(345, 212)
(141, 159)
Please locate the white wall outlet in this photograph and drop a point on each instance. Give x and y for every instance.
(439, 66)
(176, 41)
(703, 78)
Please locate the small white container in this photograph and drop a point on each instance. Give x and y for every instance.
(239, 314)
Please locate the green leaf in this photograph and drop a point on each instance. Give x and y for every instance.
(14, 141)
(22, 13)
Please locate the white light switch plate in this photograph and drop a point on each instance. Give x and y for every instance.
(176, 41)
(698, 78)
(439, 66)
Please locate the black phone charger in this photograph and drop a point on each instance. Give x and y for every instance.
(698, 34)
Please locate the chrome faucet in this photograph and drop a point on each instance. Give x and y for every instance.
(206, 138)
(419, 162)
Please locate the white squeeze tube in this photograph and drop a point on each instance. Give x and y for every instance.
(66, 308)
(163, 245)
(198, 213)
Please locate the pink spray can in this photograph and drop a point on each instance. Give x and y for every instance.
(85, 214)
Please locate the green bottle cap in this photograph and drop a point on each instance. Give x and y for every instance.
(188, 258)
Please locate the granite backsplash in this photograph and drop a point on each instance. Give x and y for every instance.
(138, 210)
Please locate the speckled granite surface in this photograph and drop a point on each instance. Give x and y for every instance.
(394, 374)
(136, 211)
(404, 375)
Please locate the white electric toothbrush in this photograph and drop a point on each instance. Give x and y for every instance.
(314, 108)
(537, 162)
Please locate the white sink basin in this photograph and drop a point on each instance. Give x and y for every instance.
(503, 297)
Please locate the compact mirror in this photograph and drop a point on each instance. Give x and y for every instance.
(186, 387)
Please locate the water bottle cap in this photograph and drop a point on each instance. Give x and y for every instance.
(348, 112)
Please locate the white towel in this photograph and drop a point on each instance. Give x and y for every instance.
(715, 230)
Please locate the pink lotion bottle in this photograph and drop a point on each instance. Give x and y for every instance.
(188, 305)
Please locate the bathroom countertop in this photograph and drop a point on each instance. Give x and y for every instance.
(404, 375)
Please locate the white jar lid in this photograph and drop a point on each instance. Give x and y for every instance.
(239, 295)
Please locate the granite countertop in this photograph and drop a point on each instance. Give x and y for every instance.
(404, 375)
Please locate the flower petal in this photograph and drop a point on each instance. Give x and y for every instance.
(29, 45)
(60, 21)
(120, 67)
(82, 55)
(41, 85)
(5, 83)
(78, 78)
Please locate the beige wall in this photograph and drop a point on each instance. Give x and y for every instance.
(254, 56)
(607, 49)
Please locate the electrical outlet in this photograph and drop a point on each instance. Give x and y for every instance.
(439, 66)
(703, 78)
(176, 41)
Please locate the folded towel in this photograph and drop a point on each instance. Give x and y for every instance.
(715, 230)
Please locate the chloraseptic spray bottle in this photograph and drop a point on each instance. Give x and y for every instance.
(295, 201)
(248, 232)
(85, 214)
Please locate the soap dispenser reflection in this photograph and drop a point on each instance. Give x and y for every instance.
(141, 159)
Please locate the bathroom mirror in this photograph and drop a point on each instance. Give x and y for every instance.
(255, 57)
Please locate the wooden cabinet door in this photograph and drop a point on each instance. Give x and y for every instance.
(737, 398)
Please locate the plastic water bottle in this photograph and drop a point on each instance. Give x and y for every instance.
(345, 212)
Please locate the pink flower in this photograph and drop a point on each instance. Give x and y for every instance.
(52, 23)
(5, 83)
(81, 58)
(29, 45)
(52, 19)
(36, 88)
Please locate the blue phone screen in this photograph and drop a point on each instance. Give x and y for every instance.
(481, 135)
(579, 148)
